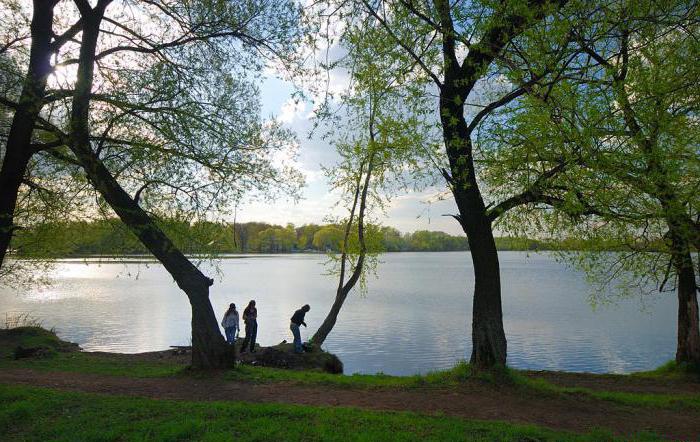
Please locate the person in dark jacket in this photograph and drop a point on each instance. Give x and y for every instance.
(297, 320)
(250, 316)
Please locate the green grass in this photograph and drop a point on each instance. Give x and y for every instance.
(61, 358)
(29, 336)
(460, 373)
(672, 370)
(96, 364)
(647, 400)
(30, 413)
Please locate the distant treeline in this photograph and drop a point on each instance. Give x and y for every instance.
(110, 237)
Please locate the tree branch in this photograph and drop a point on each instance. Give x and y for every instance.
(400, 42)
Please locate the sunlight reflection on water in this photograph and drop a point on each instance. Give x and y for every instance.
(414, 318)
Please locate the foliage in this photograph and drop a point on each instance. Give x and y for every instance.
(111, 237)
(620, 133)
(275, 239)
(174, 114)
(328, 238)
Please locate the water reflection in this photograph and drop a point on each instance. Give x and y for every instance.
(414, 318)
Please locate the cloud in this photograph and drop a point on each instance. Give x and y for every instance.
(291, 110)
(318, 204)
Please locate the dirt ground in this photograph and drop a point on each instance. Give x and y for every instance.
(473, 400)
(630, 384)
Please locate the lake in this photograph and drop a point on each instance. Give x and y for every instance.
(414, 318)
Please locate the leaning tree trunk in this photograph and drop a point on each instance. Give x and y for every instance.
(18, 150)
(489, 346)
(209, 350)
(344, 287)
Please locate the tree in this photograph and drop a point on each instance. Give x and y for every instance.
(393, 242)
(18, 150)
(185, 129)
(328, 238)
(305, 236)
(627, 121)
(451, 49)
(180, 146)
(277, 239)
(208, 346)
(376, 153)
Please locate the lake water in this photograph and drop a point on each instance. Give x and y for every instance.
(415, 317)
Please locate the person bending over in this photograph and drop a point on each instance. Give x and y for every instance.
(297, 320)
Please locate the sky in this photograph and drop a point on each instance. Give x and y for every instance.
(407, 212)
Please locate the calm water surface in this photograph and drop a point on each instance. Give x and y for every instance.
(415, 317)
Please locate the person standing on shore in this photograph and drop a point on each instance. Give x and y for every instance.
(297, 320)
(230, 323)
(250, 317)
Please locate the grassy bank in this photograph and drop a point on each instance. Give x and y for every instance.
(30, 413)
(106, 364)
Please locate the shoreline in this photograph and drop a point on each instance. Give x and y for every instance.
(656, 405)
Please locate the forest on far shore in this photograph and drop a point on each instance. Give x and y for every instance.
(110, 237)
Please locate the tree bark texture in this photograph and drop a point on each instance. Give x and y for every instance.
(688, 348)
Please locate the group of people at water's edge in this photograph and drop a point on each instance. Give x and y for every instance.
(231, 325)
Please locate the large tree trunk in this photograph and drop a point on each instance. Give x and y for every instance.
(18, 151)
(688, 350)
(489, 346)
(209, 350)
(688, 345)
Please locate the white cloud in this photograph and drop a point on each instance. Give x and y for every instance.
(291, 110)
(314, 208)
